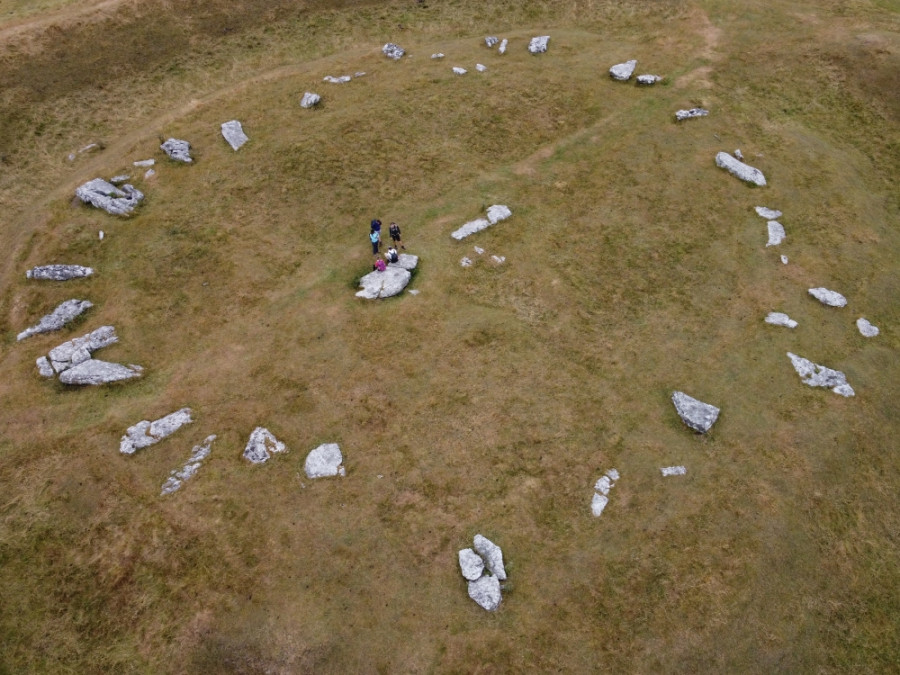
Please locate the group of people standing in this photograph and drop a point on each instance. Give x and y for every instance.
(391, 255)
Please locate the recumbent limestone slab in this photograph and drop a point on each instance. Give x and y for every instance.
(64, 313)
(146, 433)
(740, 170)
(326, 460)
(261, 444)
(623, 71)
(177, 149)
(116, 201)
(698, 415)
(233, 132)
(819, 376)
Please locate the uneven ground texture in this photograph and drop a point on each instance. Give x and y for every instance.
(491, 401)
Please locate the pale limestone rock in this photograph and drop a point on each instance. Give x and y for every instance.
(59, 317)
(178, 477)
(493, 556)
(784, 260)
(503, 44)
(261, 443)
(466, 262)
(310, 100)
(393, 51)
(768, 214)
(146, 433)
(538, 45)
(58, 272)
(44, 367)
(866, 329)
(623, 71)
(648, 79)
(681, 115)
(603, 485)
(336, 80)
(827, 297)
(407, 261)
(598, 503)
(324, 461)
(486, 592)
(149, 173)
(104, 195)
(95, 372)
(740, 170)
(698, 415)
(144, 162)
(233, 132)
(780, 319)
(739, 155)
(479, 250)
(776, 233)
(384, 284)
(119, 179)
(612, 473)
(819, 376)
(471, 564)
(459, 71)
(471, 227)
(178, 150)
(491, 41)
(673, 471)
(77, 350)
(499, 259)
(480, 67)
(498, 212)
(437, 56)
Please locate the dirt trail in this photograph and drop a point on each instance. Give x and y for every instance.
(70, 14)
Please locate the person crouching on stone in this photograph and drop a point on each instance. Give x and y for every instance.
(392, 256)
(379, 265)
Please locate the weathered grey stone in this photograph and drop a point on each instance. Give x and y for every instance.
(784, 260)
(471, 227)
(866, 329)
(324, 461)
(149, 173)
(146, 433)
(827, 297)
(598, 503)
(101, 235)
(673, 470)
(407, 261)
(384, 284)
(119, 179)
(538, 45)
(780, 319)
(603, 485)
(359, 73)
(490, 41)
(776, 233)
(493, 556)
(177, 478)
(104, 195)
(471, 564)
(144, 162)
(59, 317)
(341, 79)
(739, 155)
(233, 132)
(503, 44)
(178, 150)
(437, 56)
(819, 376)
(623, 71)
(261, 443)
(79, 349)
(698, 415)
(740, 170)
(681, 115)
(466, 262)
(459, 71)
(480, 67)
(393, 51)
(648, 79)
(499, 259)
(479, 250)
(768, 214)
(58, 272)
(612, 473)
(44, 367)
(310, 100)
(498, 212)
(94, 372)
(486, 592)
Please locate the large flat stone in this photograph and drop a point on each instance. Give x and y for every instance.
(493, 556)
(261, 444)
(94, 372)
(819, 376)
(740, 170)
(827, 297)
(471, 564)
(146, 433)
(385, 284)
(177, 149)
(59, 317)
(233, 132)
(623, 71)
(324, 461)
(698, 415)
(58, 272)
(106, 196)
(538, 45)
(79, 349)
(486, 592)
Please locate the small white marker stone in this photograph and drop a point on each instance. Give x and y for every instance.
(673, 471)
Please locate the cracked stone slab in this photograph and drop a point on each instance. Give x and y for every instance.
(407, 261)
(623, 71)
(146, 433)
(776, 233)
(495, 214)
(59, 317)
(819, 376)
(79, 349)
(58, 272)
(493, 556)
(261, 444)
(179, 476)
(740, 170)
(177, 149)
(471, 564)
(485, 592)
(94, 372)
(116, 201)
(393, 51)
(538, 45)
(392, 281)
(324, 461)
(827, 297)
(681, 115)
(491, 40)
(604, 484)
(866, 329)
(698, 415)
(780, 319)
(233, 132)
(767, 213)
(310, 100)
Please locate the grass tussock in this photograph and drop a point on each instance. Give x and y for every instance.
(493, 400)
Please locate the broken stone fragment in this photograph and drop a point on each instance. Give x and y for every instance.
(336, 80)
(819, 376)
(233, 132)
(698, 415)
(490, 41)
(459, 71)
(538, 45)
(673, 471)
(495, 214)
(384, 284)
(690, 114)
(493, 556)
(79, 349)
(471, 564)
(95, 372)
(780, 319)
(498, 212)
(104, 195)
(324, 461)
(740, 170)
(119, 179)
(776, 233)
(393, 51)
(739, 155)
(827, 297)
(784, 260)
(466, 262)
(310, 100)
(480, 67)
(44, 367)
(485, 592)
(866, 329)
(59, 317)
(648, 79)
(598, 503)
(768, 214)
(603, 485)
(437, 56)
(145, 162)
(198, 454)
(178, 150)
(623, 71)
(502, 48)
(146, 433)
(261, 443)
(58, 272)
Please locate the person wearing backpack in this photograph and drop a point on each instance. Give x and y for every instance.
(395, 235)
(392, 256)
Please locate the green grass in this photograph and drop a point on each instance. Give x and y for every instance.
(493, 400)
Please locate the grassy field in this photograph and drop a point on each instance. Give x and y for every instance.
(491, 401)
